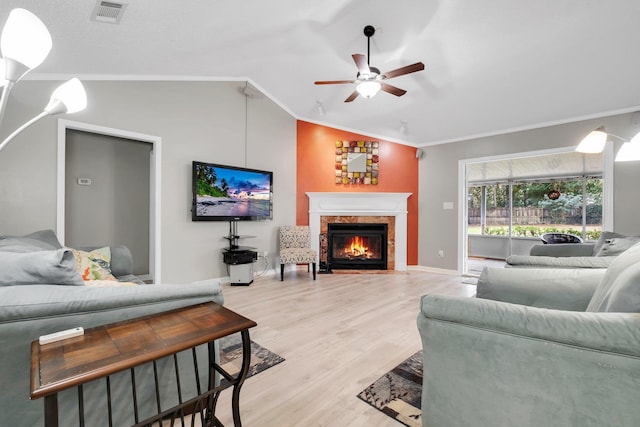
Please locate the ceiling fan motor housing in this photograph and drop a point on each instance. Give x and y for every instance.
(369, 30)
(374, 73)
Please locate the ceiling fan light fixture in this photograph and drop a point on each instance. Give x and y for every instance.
(368, 89)
(594, 142)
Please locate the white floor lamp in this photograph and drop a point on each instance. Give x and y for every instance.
(25, 42)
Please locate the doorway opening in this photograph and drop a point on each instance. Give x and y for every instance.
(103, 201)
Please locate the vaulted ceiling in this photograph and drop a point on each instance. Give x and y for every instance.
(491, 66)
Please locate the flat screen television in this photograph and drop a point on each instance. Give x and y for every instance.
(229, 193)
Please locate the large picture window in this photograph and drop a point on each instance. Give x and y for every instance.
(530, 208)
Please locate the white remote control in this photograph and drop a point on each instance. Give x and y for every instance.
(62, 335)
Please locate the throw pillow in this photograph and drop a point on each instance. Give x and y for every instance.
(617, 245)
(94, 265)
(604, 236)
(624, 296)
(620, 282)
(54, 267)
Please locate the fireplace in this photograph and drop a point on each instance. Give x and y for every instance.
(371, 207)
(357, 246)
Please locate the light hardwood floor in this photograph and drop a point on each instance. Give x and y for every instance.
(338, 335)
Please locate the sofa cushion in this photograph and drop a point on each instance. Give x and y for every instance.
(615, 246)
(619, 290)
(529, 261)
(40, 267)
(43, 240)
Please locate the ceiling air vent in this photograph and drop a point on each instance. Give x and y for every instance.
(108, 11)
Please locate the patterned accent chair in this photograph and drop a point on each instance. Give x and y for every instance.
(295, 248)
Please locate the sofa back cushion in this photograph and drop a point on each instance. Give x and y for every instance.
(619, 290)
(43, 240)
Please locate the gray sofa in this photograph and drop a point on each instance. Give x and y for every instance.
(599, 254)
(41, 292)
(537, 347)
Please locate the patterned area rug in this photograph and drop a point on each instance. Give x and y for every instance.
(398, 392)
(231, 356)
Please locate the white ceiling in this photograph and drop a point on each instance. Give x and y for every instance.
(491, 66)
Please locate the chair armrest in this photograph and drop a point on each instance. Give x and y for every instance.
(608, 332)
(562, 289)
(563, 249)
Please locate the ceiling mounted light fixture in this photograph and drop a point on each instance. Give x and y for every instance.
(595, 141)
(368, 89)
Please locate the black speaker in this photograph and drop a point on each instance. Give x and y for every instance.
(239, 257)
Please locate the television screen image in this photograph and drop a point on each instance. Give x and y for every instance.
(228, 193)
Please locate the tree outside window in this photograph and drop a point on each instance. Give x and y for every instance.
(535, 209)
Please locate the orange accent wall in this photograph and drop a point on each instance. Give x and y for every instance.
(398, 173)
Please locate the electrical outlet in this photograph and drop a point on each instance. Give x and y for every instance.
(440, 253)
(264, 254)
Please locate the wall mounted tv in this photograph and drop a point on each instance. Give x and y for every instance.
(229, 193)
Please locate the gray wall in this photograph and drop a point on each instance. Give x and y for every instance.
(438, 228)
(114, 209)
(204, 121)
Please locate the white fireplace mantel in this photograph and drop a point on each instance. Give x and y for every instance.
(362, 204)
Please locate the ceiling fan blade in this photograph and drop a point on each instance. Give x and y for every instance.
(361, 63)
(351, 97)
(333, 82)
(392, 89)
(407, 69)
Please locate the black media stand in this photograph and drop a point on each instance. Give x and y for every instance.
(239, 258)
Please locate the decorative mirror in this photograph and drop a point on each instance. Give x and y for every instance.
(357, 162)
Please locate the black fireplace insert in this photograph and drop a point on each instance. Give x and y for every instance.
(357, 246)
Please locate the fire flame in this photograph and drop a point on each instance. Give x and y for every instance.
(358, 247)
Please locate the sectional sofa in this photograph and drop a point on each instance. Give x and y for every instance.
(537, 347)
(599, 254)
(42, 291)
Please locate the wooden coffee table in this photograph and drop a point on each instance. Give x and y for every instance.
(109, 349)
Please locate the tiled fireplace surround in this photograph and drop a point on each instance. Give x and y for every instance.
(389, 208)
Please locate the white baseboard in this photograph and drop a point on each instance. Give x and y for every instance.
(433, 270)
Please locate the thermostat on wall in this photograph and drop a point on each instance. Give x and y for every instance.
(84, 181)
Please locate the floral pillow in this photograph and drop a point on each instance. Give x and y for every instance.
(94, 265)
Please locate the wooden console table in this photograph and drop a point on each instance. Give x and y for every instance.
(109, 349)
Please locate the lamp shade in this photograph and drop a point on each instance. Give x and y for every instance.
(629, 151)
(594, 142)
(368, 89)
(25, 38)
(69, 97)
